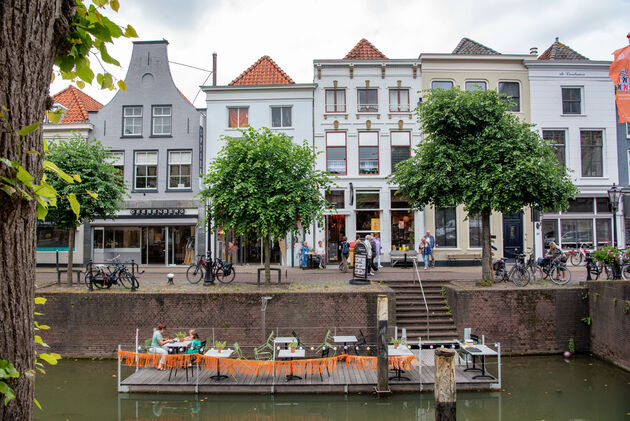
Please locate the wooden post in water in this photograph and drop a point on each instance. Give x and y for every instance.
(445, 385)
(381, 346)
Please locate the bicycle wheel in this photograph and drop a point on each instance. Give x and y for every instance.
(123, 279)
(625, 271)
(595, 270)
(194, 274)
(225, 276)
(535, 272)
(557, 273)
(576, 258)
(519, 276)
(99, 279)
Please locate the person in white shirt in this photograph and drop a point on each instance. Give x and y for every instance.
(368, 246)
(321, 254)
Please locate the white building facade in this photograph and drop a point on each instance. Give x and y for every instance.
(573, 106)
(364, 125)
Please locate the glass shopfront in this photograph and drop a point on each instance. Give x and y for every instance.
(368, 214)
(402, 222)
(51, 237)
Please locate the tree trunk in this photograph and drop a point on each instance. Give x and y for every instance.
(71, 234)
(267, 251)
(32, 33)
(486, 241)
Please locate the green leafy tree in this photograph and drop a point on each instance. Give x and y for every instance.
(99, 193)
(262, 185)
(477, 154)
(34, 35)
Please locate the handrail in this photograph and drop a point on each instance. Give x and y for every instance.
(415, 265)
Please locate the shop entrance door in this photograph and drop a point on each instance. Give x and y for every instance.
(512, 234)
(154, 245)
(179, 238)
(335, 230)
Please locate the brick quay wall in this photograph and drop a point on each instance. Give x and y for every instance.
(524, 320)
(609, 309)
(92, 324)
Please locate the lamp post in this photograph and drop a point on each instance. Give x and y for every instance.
(614, 194)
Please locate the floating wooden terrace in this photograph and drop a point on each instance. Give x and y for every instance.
(342, 380)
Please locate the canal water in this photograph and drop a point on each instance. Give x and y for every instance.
(534, 388)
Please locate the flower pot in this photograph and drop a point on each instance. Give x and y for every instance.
(219, 349)
(292, 349)
(396, 346)
(181, 339)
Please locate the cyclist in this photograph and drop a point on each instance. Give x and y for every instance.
(554, 254)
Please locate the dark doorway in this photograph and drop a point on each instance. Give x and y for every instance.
(512, 234)
(335, 230)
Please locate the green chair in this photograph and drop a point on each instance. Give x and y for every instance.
(327, 346)
(147, 345)
(238, 351)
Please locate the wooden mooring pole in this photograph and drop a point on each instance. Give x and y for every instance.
(445, 385)
(382, 386)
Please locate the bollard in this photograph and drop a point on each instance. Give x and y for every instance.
(445, 385)
(170, 277)
(381, 347)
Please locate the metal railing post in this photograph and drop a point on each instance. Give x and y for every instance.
(498, 346)
(119, 370)
(420, 361)
(426, 306)
(137, 349)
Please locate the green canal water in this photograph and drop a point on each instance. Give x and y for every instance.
(534, 388)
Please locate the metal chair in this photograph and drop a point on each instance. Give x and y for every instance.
(238, 352)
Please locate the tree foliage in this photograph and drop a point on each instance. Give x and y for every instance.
(263, 184)
(477, 154)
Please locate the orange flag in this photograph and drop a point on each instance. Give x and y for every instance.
(620, 75)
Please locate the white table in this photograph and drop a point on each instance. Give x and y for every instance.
(401, 351)
(177, 345)
(478, 350)
(225, 353)
(286, 353)
(345, 340)
(282, 340)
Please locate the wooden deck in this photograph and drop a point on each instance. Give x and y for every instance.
(343, 380)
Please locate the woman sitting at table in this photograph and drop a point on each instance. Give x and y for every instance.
(158, 344)
(321, 254)
(195, 347)
(304, 254)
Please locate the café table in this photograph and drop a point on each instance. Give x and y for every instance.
(225, 353)
(177, 347)
(478, 350)
(401, 351)
(287, 354)
(282, 340)
(345, 340)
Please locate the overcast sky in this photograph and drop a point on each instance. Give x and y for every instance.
(294, 32)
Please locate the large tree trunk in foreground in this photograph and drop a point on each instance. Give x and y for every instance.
(486, 252)
(32, 33)
(71, 237)
(267, 252)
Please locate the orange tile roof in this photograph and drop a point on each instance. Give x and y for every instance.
(364, 50)
(78, 104)
(264, 72)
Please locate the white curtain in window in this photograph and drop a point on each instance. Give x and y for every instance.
(180, 157)
(401, 138)
(336, 139)
(368, 138)
(146, 158)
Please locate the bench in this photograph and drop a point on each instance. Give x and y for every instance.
(60, 271)
(452, 257)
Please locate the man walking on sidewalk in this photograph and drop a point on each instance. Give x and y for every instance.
(431, 240)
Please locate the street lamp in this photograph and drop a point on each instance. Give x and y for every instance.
(614, 194)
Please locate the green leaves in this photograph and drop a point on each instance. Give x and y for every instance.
(7, 371)
(74, 204)
(28, 129)
(50, 358)
(51, 166)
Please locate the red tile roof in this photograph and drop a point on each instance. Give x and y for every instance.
(364, 50)
(77, 103)
(264, 72)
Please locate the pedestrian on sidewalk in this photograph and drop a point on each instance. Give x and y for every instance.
(378, 248)
(424, 250)
(431, 241)
(344, 247)
(368, 246)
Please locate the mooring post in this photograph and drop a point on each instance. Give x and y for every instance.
(381, 346)
(445, 385)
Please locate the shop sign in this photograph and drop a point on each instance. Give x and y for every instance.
(401, 224)
(376, 224)
(157, 212)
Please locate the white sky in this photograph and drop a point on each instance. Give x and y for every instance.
(294, 32)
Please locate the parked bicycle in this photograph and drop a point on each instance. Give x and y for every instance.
(518, 274)
(593, 267)
(557, 271)
(105, 275)
(579, 254)
(532, 265)
(222, 271)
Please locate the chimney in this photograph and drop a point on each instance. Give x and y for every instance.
(214, 69)
(557, 40)
(533, 51)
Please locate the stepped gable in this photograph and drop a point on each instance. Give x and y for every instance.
(77, 103)
(469, 47)
(264, 72)
(560, 51)
(364, 50)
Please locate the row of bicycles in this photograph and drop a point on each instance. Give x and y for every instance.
(103, 276)
(527, 268)
(222, 271)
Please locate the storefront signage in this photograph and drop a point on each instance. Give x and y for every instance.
(376, 224)
(360, 273)
(157, 212)
(401, 224)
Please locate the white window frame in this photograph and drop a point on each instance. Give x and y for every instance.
(179, 162)
(282, 125)
(146, 164)
(398, 107)
(581, 89)
(162, 118)
(239, 108)
(133, 118)
(333, 140)
(520, 93)
(369, 139)
(443, 81)
(335, 106)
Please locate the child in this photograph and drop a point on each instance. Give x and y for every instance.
(195, 347)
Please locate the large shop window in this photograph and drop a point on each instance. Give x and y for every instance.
(604, 231)
(592, 159)
(402, 221)
(117, 238)
(336, 152)
(446, 227)
(238, 117)
(368, 213)
(575, 231)
(368, 152)
(401, 147)
(368, 100)
(132, 121)
(179, 163)
(51, 237)
(335, 100)
(146, 170)
(557, 138)
(399, 100)
(336, 198)
(550, 232)
(161, 121)
(512, 90)
(474, 231)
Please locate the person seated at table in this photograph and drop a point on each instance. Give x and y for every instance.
(195, 347)
(321, 254)
(158, 344)
(304, 253)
